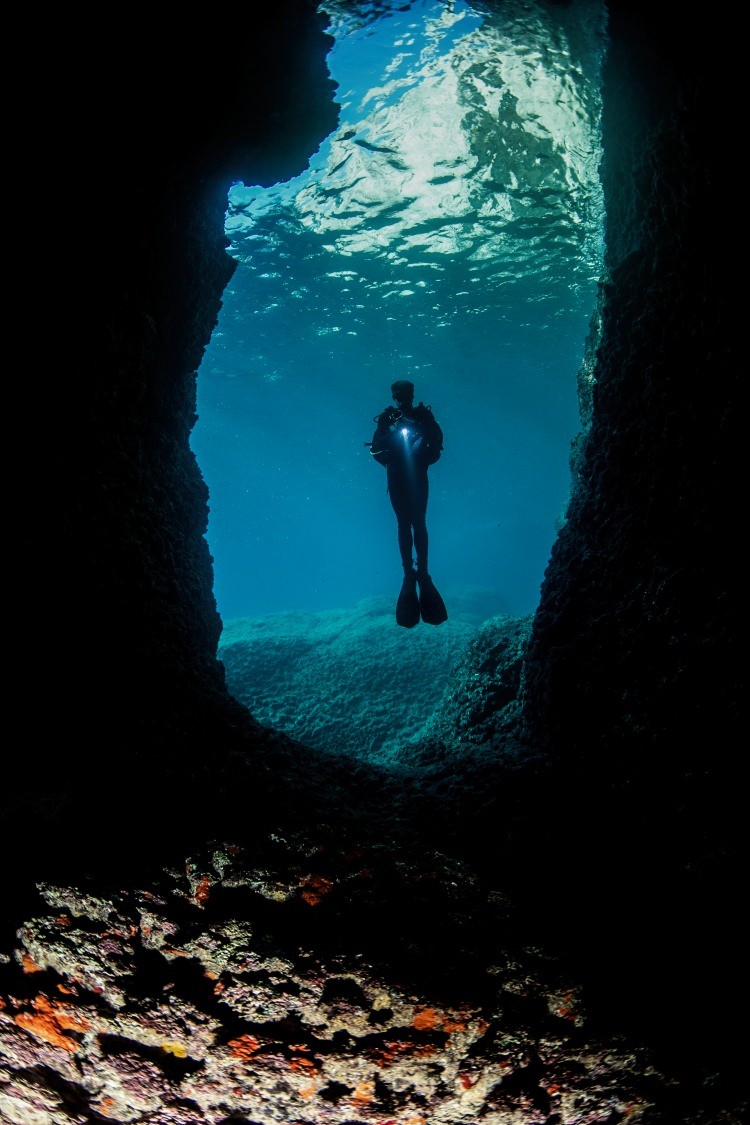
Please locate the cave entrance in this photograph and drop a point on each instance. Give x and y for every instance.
(450, 232)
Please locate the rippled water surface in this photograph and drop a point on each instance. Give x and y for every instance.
(449, 231)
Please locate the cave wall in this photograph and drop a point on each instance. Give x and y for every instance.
(633, 665)
(120, 188)
(137, 133)
(633, 681)
(118, 170)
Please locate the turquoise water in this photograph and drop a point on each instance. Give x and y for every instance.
(448, 232)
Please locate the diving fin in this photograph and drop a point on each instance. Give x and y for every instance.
(407, 606)
(431, 605)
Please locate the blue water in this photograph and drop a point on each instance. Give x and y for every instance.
(448, 232)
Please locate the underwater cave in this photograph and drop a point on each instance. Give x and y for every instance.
(529, 912)
(448, 231)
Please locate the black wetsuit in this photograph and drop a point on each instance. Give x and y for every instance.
(407, 442)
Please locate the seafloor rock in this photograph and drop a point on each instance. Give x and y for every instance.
(478, 717)
(345, 681)
(325, 979)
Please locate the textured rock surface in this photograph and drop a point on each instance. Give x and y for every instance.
(634, 678)
(118, 565)
(347, 681)
(323, 981)
(624, 846)
(478, 718)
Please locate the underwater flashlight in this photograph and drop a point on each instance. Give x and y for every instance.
(405, 432)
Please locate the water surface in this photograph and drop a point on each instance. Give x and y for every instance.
(448, 232)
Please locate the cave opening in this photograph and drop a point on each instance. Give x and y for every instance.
(225, 930)
(449, 231)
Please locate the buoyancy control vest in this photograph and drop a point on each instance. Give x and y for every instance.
(407, 437)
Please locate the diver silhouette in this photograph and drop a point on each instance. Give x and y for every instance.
(407, 441)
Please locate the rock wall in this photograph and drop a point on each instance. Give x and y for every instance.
(122, 726)
(121, 268)
(633, 683)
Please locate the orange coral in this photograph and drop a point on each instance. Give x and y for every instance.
(428, 1019)
(244, 1047)
(425, 1019)
(50, 1021)
(392, 1048)
(364, 1093)
(203, 890)
(318, 887)
(302, 1064)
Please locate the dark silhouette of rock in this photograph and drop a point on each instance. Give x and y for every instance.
(618, 831)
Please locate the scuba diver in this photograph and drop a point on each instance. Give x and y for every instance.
(407, 441)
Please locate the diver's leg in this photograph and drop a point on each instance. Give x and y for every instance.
(421, 543)
(405, 545)
(431, 605)
(419, 521)
(407, 606)
(400, 501)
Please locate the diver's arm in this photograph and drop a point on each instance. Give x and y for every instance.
(385, 419)
(432, 427)
(379, 444)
